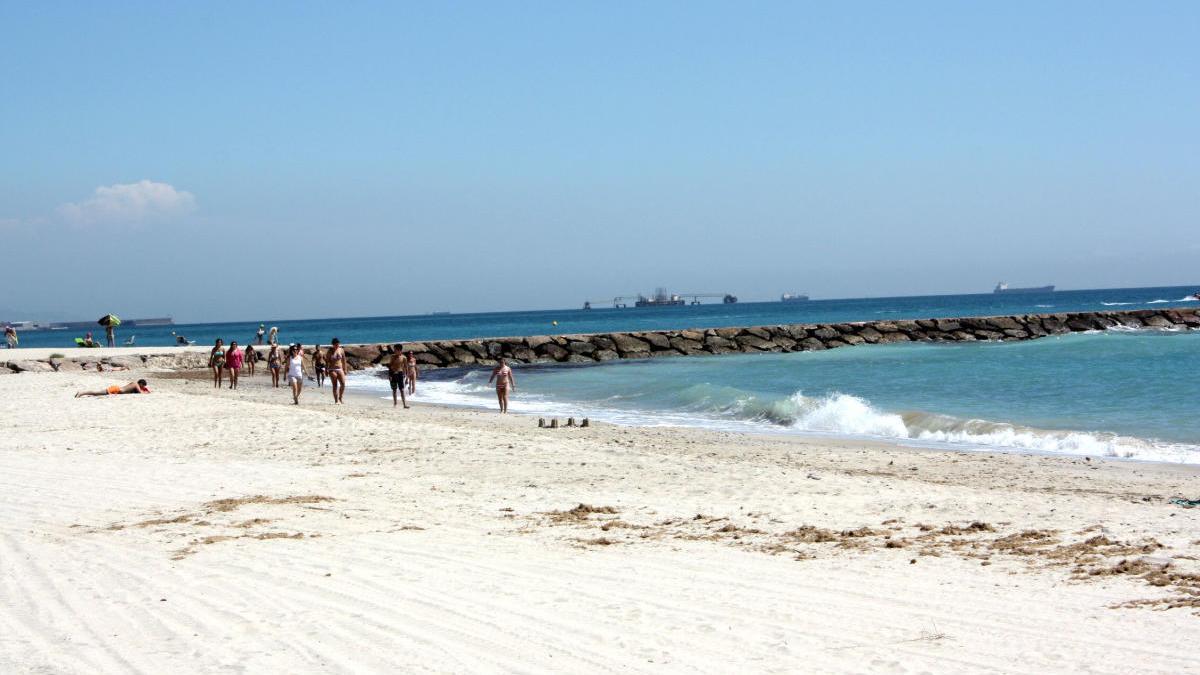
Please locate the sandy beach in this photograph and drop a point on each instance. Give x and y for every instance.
(195, 531)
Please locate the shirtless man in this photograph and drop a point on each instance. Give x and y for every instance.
(503, 376)
(411, 372)
(398, 373)
(138, 387)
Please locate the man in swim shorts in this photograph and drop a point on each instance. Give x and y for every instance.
(138, 387)
(398, 373)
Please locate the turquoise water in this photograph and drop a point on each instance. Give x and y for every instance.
(1116, 393)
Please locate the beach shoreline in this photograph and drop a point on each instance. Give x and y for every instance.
(363, 537)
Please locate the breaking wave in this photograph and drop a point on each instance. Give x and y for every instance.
(836, 414)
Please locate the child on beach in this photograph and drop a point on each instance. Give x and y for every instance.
(216, 361)
(10, 336)
(295, 372)
(233, 361)
(274, 358)
(505, 382)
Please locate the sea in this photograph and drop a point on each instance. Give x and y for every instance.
(1116, 393)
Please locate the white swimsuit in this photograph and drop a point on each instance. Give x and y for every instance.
(295, 367)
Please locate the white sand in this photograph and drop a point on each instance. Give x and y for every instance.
(418, 564)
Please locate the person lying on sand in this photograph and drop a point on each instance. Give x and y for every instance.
(138, 387)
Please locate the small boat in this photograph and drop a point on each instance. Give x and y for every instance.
(793, 297)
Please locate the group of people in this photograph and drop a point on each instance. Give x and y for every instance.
(288, 365)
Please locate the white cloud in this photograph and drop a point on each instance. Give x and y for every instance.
(129, 203)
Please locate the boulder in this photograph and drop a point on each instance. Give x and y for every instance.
(785, 343)
(963, 336)
(894, 337)
(748, 342)
(553, 351)
(429, 358)
(476, 347)
(686, 346)
(989, 335)
(124, 361)
(64, 365)
(1016, 334)
(796, 331)
(852, 339)
(415, 347)
(576, 347)
(602, 342)
(946, 325)
(462, 356)
(1156, 321)
(1003, 323)
(535, 341)
(693, 335)
(656, 340)
(870, 334)
(524, 354)
(32, 366)
(826, 333)
(717, 342)
(728, 333)
(627, 344)
(812, 344)
(606, 355)
(579, 358)
(760, 333)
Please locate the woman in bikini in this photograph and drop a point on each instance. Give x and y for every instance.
(233, 361)
(505, 383)
(319, 365)
(216, 361)
(412, 373)
(274, 360)
(335, 366)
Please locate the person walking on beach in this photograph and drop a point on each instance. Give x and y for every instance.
(295, 372)
(412, 373)
(274, 359)
(233, 361)
(319, 365)
(335, 365)
(10, 336)
(273, 336)
(258, 336)
(251, 357)
(216, 361)
(138, 387)
(398, 373)
(505, 383)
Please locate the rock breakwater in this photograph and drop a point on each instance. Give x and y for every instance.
(598, 347)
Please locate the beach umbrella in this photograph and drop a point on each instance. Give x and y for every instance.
(109, 320)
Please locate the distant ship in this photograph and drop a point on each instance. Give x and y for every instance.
(660, 299)
(793, 297)
(156, 321)
(1003, 288)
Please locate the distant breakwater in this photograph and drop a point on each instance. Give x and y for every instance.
(600, 347)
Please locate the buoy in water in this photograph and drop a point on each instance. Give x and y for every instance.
(553, 323)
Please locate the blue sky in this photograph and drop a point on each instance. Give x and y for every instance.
(223, 161)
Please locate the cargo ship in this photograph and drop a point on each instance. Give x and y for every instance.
(793, 297)
(661, 299)
(1003, 288)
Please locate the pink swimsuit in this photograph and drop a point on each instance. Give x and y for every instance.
(233, 360)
